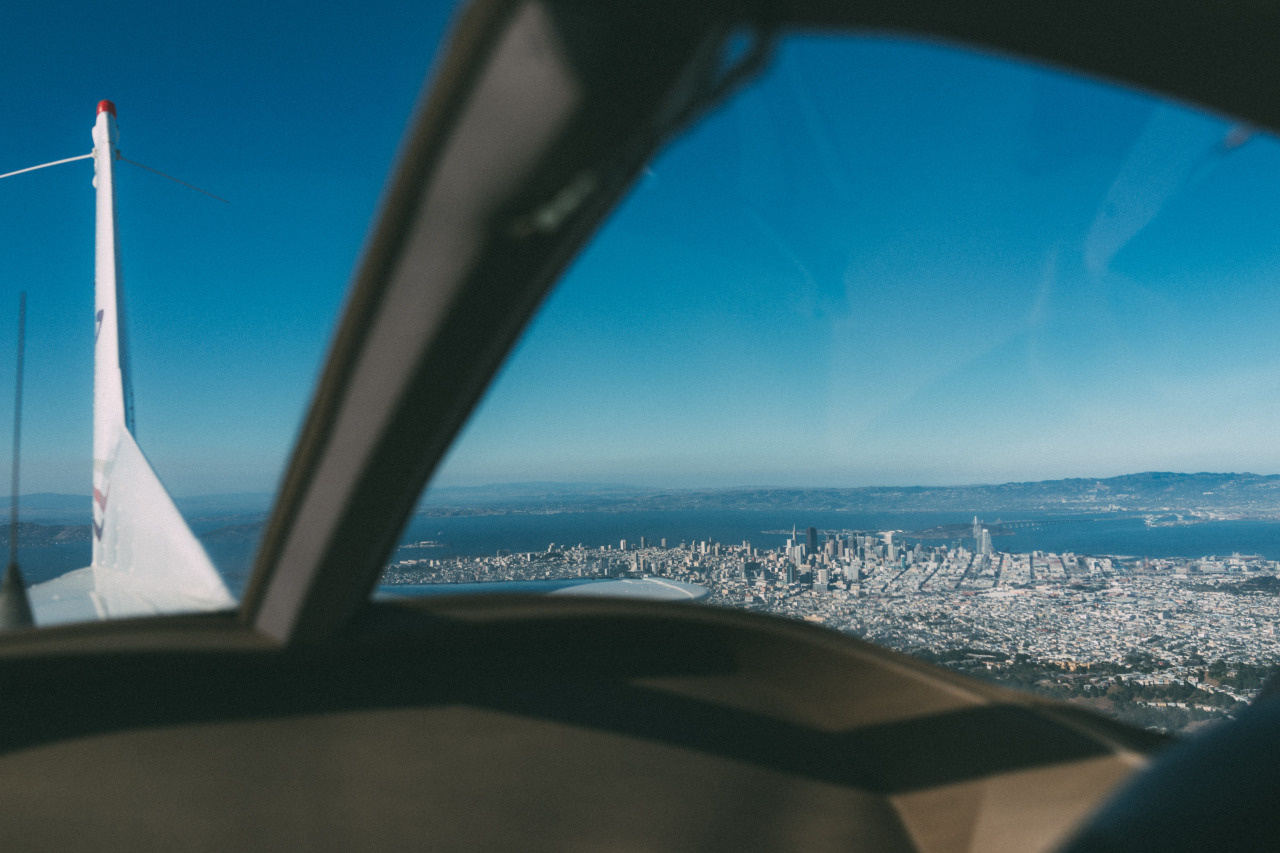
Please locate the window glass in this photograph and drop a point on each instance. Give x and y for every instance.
(893, 342)
(291, 113)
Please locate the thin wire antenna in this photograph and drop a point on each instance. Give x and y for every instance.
(47, 165)
(15, 607)
(17, 429)
(170, 177)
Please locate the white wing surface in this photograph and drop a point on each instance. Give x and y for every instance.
(145, 558)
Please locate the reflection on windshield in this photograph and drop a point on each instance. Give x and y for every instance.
(883, 274)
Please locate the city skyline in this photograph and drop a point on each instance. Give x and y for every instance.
(1140, 637)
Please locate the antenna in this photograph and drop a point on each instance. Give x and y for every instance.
(15, 608)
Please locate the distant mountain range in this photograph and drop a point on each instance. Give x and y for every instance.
(32, 535)
(1239, 495)
(50, 519)
(55, 508)
(1233, 495)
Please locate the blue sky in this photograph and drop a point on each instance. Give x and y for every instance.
(882, 263)
(888, 263)
(292, 112)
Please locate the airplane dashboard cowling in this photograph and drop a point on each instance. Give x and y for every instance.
(568, 724)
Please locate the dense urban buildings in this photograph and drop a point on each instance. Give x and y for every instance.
(1150, 634)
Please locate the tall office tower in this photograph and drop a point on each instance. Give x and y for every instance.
(985, 549)
(811, 539)
(644, 543)
(662, 542)
(790, 573)
(622, 546)
(977, 535)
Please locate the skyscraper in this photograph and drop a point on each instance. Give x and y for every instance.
(811, 539)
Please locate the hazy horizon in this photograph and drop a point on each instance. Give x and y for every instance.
(606, 484)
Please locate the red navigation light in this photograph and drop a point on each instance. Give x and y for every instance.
(106, 106)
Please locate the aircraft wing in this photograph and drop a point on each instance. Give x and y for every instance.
(68, 598)
(146, 560)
